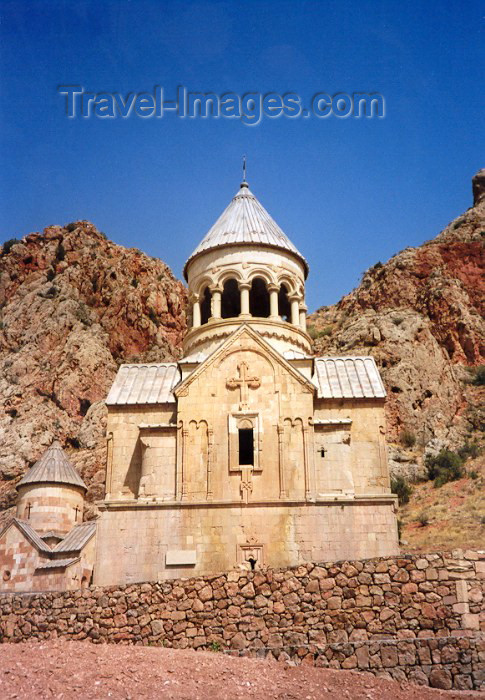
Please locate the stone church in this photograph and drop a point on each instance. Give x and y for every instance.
(249, 451)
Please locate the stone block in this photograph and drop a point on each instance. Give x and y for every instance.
(440, 678)
(389, 656)
(470, 621)
(422, 564)
(181, 557)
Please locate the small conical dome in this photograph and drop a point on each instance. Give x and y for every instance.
(53, 467)
(245, 222)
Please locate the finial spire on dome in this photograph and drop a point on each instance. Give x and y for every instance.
(244, 182)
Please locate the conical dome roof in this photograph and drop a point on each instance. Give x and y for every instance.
(245, 222)
(53, 467)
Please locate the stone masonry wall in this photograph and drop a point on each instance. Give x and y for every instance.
(418, 617)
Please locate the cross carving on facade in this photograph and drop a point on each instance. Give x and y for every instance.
(243, 382)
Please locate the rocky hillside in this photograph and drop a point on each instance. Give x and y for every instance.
(73, 306)
(421, 316)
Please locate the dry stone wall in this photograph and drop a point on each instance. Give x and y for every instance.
(419, 617)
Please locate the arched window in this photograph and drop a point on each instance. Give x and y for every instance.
(259, 298)
(205, 305)
(231, 299)
(284, 307)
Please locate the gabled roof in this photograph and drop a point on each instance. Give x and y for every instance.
(144, 384)
(245, 222)
(347, 378)
(53, 467)
(244, 328)
(57, 563)
(29, 532)
(77, 538)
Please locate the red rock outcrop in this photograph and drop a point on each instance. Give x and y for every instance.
(73, 306)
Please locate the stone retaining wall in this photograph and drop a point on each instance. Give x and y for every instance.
(421, 613)
(442, 662)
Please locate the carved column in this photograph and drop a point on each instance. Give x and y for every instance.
(185, 441)
(273, 301)
(216, 302)
(109, 464)
(244, 288)
(195, 311)
(210, 443)
(295, 311)
(303, 310)
(306, 461)
(281, 460)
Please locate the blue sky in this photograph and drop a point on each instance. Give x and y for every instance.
(348, 192)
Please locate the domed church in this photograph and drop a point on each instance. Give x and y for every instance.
(249, 452)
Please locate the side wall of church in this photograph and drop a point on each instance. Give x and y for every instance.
(133, 542)
(355, 457)
(127, 448)
(18, 561)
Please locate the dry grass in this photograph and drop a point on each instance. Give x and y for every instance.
(455, 513)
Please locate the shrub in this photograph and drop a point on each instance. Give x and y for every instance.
(314, 333)
(423, 519)
(51, 293)
(473, 474)
(408, 438)
(478, 376)
(401, 488)
(70, 227)
(153, 317)
(60, 252)
(134, 282)
(444, 467)
(8, 245)
(469, 450)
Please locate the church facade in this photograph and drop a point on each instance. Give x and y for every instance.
(249, 451)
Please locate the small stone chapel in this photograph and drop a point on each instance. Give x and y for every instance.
(249, 451)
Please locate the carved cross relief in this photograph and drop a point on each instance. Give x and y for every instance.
(243, 382)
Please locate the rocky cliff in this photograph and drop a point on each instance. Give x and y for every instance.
(73, 306)
(421, 316)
